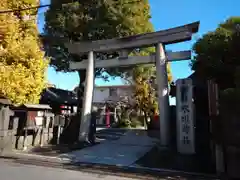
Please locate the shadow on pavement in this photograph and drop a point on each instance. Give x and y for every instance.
(54, 150)
(110, 133)
(153, 134)
(8, 157)
(157, 158)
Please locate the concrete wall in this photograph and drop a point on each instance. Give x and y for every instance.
(101, 93)
(126, 91)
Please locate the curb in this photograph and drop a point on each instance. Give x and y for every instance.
(130, 171)
(160, 170)
(148, 171)
(26, 156)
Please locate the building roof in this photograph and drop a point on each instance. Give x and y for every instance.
(5, 101)
(60, 96)
(37, 106)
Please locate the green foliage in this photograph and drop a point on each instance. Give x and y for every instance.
(237, 77)
(217, 54)
(92, 20)
(230, 100)
(124, 123)
(22, 63)
(127, 123)
(136, 122)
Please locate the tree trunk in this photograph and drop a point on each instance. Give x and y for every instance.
(71, 133)
(145, 119)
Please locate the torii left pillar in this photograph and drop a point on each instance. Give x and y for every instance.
(87, 99)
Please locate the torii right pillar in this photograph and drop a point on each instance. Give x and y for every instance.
(163, 98)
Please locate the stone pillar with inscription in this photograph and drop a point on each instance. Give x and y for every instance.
(185, 117)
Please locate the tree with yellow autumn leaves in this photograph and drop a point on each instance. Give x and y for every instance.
(144, 88)
(22, 62)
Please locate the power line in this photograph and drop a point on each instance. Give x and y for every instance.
(42, 6)
(24, 9)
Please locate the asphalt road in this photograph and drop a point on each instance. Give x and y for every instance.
(10, 171)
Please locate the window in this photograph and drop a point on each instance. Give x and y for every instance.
(113, 92)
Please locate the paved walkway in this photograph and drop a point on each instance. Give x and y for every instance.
(122, 152)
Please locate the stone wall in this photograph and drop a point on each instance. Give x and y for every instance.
(11, 141)
(7, 141)
(35, 140)
(15, 120)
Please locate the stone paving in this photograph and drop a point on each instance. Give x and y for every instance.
(122, 152)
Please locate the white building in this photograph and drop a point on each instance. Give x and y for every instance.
(103, 93)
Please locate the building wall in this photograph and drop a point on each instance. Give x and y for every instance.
(127, 91)
(101, 93)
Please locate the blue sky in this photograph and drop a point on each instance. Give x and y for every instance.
(165, 14)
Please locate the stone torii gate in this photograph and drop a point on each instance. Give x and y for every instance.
(159, 40)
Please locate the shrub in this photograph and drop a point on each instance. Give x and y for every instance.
(230, 100)
(136, 122)
(124, 123)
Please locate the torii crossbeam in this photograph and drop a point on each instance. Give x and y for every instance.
(131, 60)
(159, 40)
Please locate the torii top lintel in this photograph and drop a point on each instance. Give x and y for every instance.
(169, 36)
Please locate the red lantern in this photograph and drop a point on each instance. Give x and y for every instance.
(62, 109)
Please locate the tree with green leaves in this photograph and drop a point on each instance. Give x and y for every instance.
(92, 20)
(22, 62)
(217, 58)
(217, 54)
